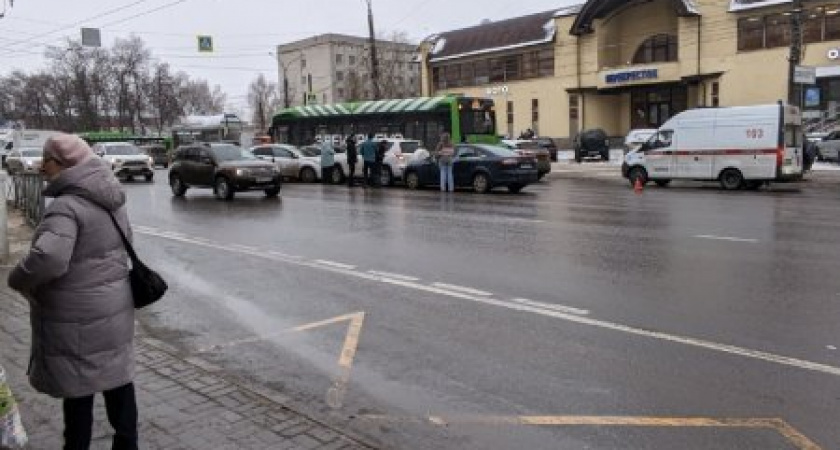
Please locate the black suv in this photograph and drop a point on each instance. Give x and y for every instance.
(226, 168)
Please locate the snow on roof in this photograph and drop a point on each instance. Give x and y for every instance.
(569, 10)
(440, 43)
(743, 5)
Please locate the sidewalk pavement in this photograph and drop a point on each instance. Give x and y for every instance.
(184, 402)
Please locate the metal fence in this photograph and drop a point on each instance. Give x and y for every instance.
(24, 191)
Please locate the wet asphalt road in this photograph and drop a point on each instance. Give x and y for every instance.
(576, 298)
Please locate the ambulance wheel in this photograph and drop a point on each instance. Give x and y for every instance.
(637, 173)
(731, 179)
(663, 183)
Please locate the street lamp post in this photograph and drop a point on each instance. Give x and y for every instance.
(285, 68)
(374, 61)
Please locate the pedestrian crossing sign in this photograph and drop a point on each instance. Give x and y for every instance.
(205, 44)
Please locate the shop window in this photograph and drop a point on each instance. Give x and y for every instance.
(437, 77)
(832, 24)
(750, 33)
(715, 94)
(546, 62)
(812, 25)
(482, 72)
(659, 48)
(777, 32)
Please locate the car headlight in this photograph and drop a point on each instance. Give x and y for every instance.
(151, 161)
(242, 172)
(29, 163)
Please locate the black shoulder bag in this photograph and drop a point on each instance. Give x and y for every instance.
(147, 286)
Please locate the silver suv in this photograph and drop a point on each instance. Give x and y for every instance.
(126, 160)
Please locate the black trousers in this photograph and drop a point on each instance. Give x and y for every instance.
(121, 406)
(326, 175)
(351, 167)
(369, 173)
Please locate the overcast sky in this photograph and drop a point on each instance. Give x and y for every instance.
(244, 31)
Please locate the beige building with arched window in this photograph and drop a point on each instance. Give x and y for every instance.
(619, 65)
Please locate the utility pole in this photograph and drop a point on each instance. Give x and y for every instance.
(285, 88)
(374, 61)
(795, 57)
(261, 112)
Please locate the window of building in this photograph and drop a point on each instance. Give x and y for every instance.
(750, 33)
(339, 58)
(832, 23)
(715, 94)
(467, 74)
(777, 30)
(530, 63)
(482, 71)
(658, 48)
(535, 114)
(812, 25)
(546, 62)
(339, 93)
(339, 76)
(510, 118)
(302, 63)
(497, 70)
(574, 107)
(351, 60)
(453, 75)
(512, 66)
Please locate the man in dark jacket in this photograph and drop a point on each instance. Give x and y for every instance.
(76, 280)
(381, 148)
(352, 158)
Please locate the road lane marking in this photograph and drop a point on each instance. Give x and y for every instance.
(338, 390)
(335, 264)
(393, 275)
(793, 436)
(462, 289)
(692, 342)
(561, 308)
(726, 238)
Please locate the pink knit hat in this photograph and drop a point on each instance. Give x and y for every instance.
(68, 149)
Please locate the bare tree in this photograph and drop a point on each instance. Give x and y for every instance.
(398, 78)
(87, 89)
(263, 100)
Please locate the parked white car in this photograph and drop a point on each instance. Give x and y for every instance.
(24, 160)
(293, 163)
(635, 138)
(828, 148)
(126, 160)
(398, 154)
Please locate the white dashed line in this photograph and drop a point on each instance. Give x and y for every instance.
(395, 276)
(464, 289)
(335, 264)
(518, 306)
(726, 238)
(553, 307)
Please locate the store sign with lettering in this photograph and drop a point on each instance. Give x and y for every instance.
(833, 54)
(497, 90)
(629, 76)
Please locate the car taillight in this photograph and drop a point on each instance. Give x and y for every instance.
(780, 157)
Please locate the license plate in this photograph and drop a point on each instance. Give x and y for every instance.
(263, 179)
(526, 166)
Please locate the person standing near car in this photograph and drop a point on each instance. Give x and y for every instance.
(75, 278)
(445, 153)
(368, 152)
(381, 148)
(327, 162)
(352, 157)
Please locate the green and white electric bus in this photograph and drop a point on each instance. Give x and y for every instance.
(467, 119)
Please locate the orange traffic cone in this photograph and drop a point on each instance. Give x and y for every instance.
(638, 187)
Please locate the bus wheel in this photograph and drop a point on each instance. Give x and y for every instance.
(731, 179)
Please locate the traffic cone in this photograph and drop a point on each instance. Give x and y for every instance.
(638, 187)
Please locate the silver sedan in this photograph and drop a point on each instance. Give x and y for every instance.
(24, 160)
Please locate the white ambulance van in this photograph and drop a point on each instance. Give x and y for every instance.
(741, 147)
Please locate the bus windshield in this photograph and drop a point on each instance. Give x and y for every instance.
(477, 117)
